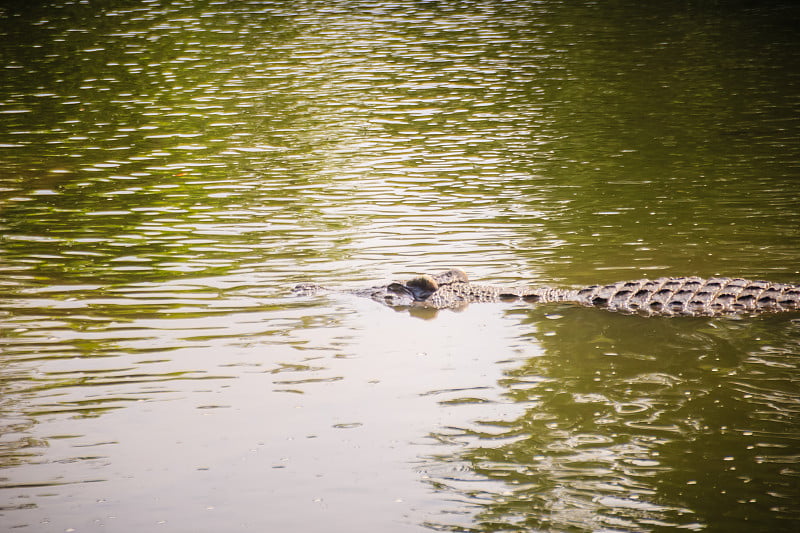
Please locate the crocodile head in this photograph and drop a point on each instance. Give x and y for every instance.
(416, 291)
(403, 294)
(412, 293)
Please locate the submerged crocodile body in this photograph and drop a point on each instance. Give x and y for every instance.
(687, 296)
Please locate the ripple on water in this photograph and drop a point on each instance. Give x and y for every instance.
(170, 169)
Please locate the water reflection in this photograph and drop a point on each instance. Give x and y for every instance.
(169, 169)
(657, 430)
(452, 127)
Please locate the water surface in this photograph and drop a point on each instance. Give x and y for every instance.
(169, 170)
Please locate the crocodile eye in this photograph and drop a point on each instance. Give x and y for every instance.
(422, 287)
(398, 288)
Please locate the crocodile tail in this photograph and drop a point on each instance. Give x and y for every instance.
(692, 296)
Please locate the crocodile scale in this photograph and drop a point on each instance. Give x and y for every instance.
(692, 296)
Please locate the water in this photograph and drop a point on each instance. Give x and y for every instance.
(169, 170)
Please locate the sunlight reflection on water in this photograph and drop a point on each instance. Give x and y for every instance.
(168, 171)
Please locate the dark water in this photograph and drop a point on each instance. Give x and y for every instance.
(169, 170)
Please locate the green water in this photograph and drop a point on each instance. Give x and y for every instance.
(169, 170)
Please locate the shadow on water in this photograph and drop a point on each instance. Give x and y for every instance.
(635, 424)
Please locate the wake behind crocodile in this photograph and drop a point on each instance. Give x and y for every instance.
(668, 296)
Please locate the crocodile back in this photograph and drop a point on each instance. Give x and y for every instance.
(692, 296)
(458, 294)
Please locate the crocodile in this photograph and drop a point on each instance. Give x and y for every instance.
(667, 296)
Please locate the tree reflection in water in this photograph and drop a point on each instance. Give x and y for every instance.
(636, 424)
